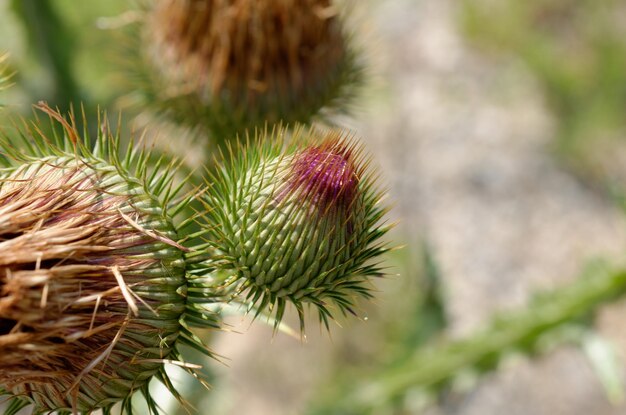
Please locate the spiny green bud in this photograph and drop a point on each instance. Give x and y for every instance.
(231, 66)
(93, 275)
(299, 224)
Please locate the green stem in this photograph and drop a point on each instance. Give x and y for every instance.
(436, 366)
(54, 45)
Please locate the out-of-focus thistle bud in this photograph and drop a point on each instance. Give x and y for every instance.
(298, 223)
(232, 65)
(94, 289)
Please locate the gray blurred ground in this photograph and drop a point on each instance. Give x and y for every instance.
(463, 140)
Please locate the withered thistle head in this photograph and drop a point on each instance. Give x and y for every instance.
(93, 277)
(236, 64)
(298, 224)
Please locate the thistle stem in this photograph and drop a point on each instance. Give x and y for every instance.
(54, 46)
(434, 367)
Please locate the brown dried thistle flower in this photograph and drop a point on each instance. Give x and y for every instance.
(93, 277)
(235, 64)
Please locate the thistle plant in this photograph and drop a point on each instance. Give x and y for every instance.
(231, 66)
(101, 279)
(297, 223)
(105, 270)
(95, 295)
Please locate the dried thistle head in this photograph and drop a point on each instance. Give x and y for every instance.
(94, 288)
(236, 64)
(298, 224)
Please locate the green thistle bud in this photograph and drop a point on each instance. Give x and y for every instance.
(299, 225)
(93, 276)
(231, 66)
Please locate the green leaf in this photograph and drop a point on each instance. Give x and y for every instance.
(607, 366)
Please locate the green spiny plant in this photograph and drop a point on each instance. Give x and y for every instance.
(231, 66)
(297, 222)
(95, 293)
(101, 279)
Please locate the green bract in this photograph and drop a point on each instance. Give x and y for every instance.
(95, 293)
(298, 223)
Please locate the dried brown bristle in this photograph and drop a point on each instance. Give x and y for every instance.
(245, 50)
(74, 332)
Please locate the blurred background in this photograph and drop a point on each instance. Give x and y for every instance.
(500, 130)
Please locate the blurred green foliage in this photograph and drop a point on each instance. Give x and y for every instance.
(58, 53)
(433, 369)
(5, 78)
